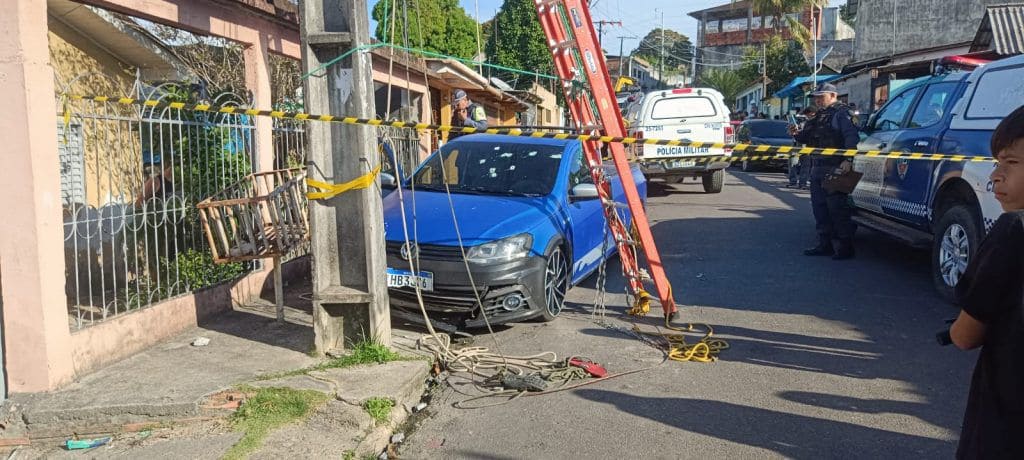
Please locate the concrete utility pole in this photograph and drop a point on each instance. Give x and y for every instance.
(350, 298)
(622, 39)
(661, 59)
(764, 73)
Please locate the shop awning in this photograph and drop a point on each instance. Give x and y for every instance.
(794, 87)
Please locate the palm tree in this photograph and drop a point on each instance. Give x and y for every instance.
(778, 10)
(727, 82)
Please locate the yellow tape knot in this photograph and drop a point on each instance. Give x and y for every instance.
(329, 190)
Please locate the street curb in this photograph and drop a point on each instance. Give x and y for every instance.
(379, 437)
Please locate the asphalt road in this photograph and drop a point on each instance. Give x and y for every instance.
(828, 359)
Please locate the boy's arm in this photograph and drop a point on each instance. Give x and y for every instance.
(987, 288)
(967, 333)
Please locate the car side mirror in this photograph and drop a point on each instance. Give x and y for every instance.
(388, 181)
(583, 192)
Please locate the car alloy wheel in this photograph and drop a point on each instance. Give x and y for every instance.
(957, 235)
(556, 277)
(954, 254)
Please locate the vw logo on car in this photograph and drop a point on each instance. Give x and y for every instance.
(409, 251)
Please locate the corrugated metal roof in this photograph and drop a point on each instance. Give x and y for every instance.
(1007, 28)
(1002, 29)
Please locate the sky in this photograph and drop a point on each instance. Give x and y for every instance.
(638, 16)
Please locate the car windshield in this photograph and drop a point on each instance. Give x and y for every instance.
(768, 129)
(491, 168)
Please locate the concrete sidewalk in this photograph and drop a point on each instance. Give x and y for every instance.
(172, 400)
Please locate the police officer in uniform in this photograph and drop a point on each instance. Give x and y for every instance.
(466, 113)
(831, 127)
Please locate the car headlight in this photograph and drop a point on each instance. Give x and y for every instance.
(503, 250)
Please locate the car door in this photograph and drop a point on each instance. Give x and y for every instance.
(907, 182)
(884, 127)
(586, 221)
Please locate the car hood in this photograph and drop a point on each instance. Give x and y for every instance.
(481, 218)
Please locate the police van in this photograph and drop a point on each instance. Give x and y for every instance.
(689, 114)
(945, 205)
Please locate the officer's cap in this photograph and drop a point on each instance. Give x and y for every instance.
(825, 88)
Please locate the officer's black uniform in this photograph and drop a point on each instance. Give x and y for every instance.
(831, 127)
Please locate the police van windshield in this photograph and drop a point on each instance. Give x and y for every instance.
(488, 168)
(683, 107)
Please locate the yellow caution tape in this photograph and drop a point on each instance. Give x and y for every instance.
(774, 151)
(333, 190)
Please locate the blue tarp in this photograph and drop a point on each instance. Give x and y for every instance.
(793, 88)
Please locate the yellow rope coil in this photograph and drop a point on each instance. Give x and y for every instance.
(333, 190)
(704, 351)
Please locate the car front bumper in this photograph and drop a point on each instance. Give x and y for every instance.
(453, 299)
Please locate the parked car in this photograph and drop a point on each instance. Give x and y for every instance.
(529, 218)
(945, 205)
(692, 114)
(764, 132)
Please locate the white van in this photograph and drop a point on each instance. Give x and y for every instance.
(691, 114)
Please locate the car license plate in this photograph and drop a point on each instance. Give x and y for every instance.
(405, 278)
(683, 164)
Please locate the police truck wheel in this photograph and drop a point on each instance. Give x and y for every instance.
(957, 236)
(713, 181)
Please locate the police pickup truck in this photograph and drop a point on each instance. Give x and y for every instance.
(690, 114)
(945, 205)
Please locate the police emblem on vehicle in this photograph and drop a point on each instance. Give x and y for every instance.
(409, 250)
(902, 165)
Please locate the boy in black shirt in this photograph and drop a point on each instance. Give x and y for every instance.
(990, 293)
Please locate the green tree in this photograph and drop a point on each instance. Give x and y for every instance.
(442, 25)
(728, 82)
(785, 60)
(848, 14)
(678, 50)
(517, 41)
(779, 10)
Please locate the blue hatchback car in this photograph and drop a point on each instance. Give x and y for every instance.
(529, 219)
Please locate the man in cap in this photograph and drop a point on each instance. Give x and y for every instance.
(466, 113)
(831, 127)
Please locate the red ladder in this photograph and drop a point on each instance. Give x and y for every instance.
(588, 90)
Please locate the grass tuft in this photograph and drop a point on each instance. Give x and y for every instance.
(365, 352)
(267, 409)
(379, 409)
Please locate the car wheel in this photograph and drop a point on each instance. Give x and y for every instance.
(956, 240)
(556, 283)
(713, 181)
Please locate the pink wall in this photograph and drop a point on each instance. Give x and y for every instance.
(36, 336)
(41, 353)
(120, 337)
(415, 84)
(212, 19)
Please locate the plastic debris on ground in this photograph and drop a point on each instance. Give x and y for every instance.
(75, 444)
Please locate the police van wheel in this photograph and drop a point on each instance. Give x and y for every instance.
(713, 181)
(957, 236)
